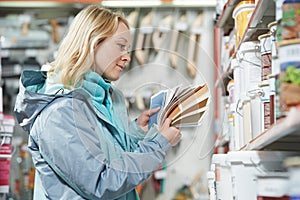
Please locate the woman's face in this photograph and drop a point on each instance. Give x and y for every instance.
(112, 55)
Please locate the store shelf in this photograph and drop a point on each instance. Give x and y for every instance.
(284, 135)
(263, 14)
(225, 20)
(41, 10)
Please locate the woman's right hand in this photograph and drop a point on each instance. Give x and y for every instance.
(172, 134)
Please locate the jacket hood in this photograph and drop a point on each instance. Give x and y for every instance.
(31, 99)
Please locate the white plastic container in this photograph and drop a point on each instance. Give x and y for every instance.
(246, 134)
(238, 128)
(256, 114)
(230, 89)
(273, 184)
(273, 28)
(234, 65)
(293, 166)
(249, 60)
(241, 14)
(223, 176)
(265, 54)
(274, 96)
(210, 175)
(247, 165)
(238, 74)
(267, 116)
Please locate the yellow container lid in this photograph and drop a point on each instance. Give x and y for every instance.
(288, 42)
(274, 23)
(264, 36)
(292, 162)
(243, 4)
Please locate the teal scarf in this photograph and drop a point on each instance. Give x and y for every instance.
(98, 88)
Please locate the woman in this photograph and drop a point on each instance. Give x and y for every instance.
(81, 141)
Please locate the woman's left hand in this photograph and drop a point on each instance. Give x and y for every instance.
(143, 119)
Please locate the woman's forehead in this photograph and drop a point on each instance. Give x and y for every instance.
(122, 32)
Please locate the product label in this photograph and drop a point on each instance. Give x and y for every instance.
(267, 115)
(5, 149)
(266, 65)
(4, 174)
(5, 153)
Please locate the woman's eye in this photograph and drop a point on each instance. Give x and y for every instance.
(122, 47)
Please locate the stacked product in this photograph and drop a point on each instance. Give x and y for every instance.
(288, 38)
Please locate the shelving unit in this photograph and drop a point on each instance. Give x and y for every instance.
(282, 136)
(263, 14)
(225, 20)
(285, 134)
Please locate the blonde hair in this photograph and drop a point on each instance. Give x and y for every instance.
(75, 55)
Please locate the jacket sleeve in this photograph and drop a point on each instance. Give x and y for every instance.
(139, 133)
(70, 137)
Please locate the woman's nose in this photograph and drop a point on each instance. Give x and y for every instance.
(125, 57)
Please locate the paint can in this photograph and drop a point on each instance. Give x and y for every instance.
(293, 166)
(249, 60)
(274, 76)
(241, 14)
(273, 29)
(267, 106)
(290, 19)
(289, 59)
(272, 186)
(265, 53)
(230, 89)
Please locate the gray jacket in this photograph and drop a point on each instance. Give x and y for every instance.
(75, 148)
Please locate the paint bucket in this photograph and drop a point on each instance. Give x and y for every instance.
(290, 19)
(274, 76)
(267, 116)
(246, 135)
(241, 14)
(236, 74)
(230, 89)
(293, 166)
(256, 113)
(247, 165)
(273, 29)
(248, 57)
(265, 54)
(210, 175)
(272, 185)
(249, 60)
(278, 10)
(289, 59)
(237, 116)
(223, 176)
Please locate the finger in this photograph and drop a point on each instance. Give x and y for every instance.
(167, 122)
(154, 110)
(176, 139)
